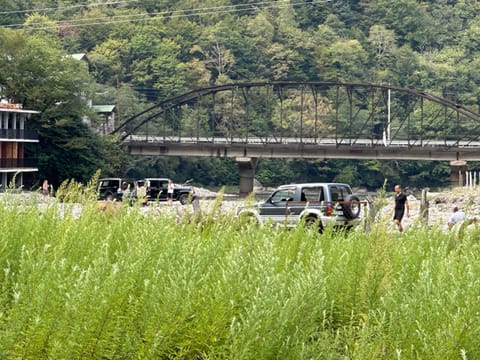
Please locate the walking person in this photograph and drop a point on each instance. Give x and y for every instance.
(399, 207)
(142, 194)
(170, 188)
(45, 190)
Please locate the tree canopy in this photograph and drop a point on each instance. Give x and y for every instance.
(141, 52)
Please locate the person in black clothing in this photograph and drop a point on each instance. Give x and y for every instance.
(401, 203)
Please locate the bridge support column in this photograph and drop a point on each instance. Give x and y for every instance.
(458, 169)
(246, 167)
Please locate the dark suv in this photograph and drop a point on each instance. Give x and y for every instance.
(157, 190)
(315, 203)
(110, 189)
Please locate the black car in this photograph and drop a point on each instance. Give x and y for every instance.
(110, 189)
(157, 190)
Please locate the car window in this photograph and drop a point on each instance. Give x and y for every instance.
(152, 183)
(339, 193)
(314, 193)
(126, 185)
(283, 195)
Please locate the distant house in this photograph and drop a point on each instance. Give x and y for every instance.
(80, 57)
(13, 137)
(107, 113)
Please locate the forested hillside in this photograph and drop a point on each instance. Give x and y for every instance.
(143, 51)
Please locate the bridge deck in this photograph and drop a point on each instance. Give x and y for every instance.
(292, 148)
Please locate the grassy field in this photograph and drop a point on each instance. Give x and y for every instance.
(119, 284)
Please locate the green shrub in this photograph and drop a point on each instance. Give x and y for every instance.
(138, 284)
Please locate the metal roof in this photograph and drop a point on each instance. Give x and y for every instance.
(79, 56)
(103, 108)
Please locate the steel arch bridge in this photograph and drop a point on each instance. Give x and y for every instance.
(305, 119)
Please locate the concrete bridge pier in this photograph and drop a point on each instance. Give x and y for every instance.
(246, 167)
(458, 169)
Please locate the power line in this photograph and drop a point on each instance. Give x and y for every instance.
(173, 13)
(65, 7)
(170, 14)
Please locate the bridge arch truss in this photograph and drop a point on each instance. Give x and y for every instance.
(333, 115)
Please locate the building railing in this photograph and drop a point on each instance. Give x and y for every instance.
(18, 163)
(17, 134)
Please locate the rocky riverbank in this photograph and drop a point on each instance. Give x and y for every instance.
(440, 205)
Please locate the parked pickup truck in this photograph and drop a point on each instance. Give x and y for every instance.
(317, 204)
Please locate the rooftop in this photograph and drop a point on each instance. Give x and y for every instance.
(104, 108)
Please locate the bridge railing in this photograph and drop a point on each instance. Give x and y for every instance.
(345, 114)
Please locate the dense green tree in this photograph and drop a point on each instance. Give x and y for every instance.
(447, 22)
(216, 58)
(248, 62)
(293, 50)
(42, 77)
(313, 14)
(11, 14)
(40, 25)
(39, 75)
(342, 61)
(407, 70)
(408, 18)
(143, 52)
(69, 151)
(273, 172)
(155, 64)
(107, 61)
(382, 43)
(202, 171)
(95, 25)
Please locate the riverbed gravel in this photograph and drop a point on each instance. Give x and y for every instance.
(440, 205)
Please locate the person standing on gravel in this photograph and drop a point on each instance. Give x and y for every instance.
(142, 194)
(170, 190)
(45, 190)
(399, 207)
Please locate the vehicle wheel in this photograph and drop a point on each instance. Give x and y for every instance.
(183, 199)
(109, 197)
(351, 207)
(311, 221)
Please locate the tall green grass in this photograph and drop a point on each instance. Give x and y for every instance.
(156, 285)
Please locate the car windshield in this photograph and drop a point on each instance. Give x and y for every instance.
(283, 195)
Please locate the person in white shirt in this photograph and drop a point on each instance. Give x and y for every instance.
(456, 217)
(170, 190)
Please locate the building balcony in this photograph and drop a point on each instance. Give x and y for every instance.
(18, 135)
(12, 165)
